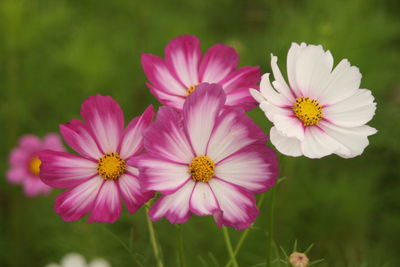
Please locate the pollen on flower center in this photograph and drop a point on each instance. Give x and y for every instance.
(34, 165)
(309, 111)
(190, 90)
(111, 166)
(202, 168)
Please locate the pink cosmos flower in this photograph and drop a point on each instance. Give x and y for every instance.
(25, 164)
(173, 79)
(321, 111)
(100, 176)
(206, 160)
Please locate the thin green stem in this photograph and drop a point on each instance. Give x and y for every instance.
(245, 233)
(229, 246)
(153, 240)
(181, 252)
(271, 228)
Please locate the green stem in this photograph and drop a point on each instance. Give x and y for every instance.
(229, 246)
(153, 240)
(181, 252)
(271, 228)
(245, 233)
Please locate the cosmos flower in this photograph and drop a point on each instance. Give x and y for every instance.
(173, 79)
(100, 175)
(77, 260)
(322, 111)
(206, 161)
(25, 164)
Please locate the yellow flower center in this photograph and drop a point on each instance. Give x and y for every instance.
(202, 168)
(34, 165)
(111, 166)
(309, 111)
(190, 90)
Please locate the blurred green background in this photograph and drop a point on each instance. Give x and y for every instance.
(54, 54)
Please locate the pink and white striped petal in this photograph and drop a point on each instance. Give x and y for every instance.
(200, 112)
(174, 207)
(202, 200)
(354, 111)
(161, 175)
(132, 193)
(161, 77)
(132, 140)
(238, 206)
(106, 120)
(107, 205)
(166, 137)
(74, 203)
(253, 168)
(182, 56)
(219, 61)
(62, 170)
(234, 130)
(80, 138)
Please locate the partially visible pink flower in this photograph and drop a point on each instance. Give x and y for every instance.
(25, 164)
(206, 160)
(100, 176)
(174, 78)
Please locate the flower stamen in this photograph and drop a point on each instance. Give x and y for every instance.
(309, 111)
(190, 90)
(34, 165)
(202, 169)
(111, 166)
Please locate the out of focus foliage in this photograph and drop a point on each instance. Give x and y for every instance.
(54, 54)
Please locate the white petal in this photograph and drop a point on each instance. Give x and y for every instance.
(317, 143)
(202, 201)
(271, 95)
(353, 139)
(285, 145)
(289, 126)
(354, 111)
(272, 110)
(342, 83)
(280, 83)
(312, 69)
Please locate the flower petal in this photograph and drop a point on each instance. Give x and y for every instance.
(280, 83)
(17, 174)
(107, 206)
(74, 203)
(78, 136)
(293, 54)
(254, 168)
(132, 141)
(200, 112)
(202, 201)
(354, 111)
(61, 170)
(233, 131)
(166, 138)
(342, 83)
(219, 61)
(270, 95)
(317, 143)
(162, 175)
(106, 120)
(161, 77)
(132, 193)
(353, 139)
(182, 55)
(34, 186)
(286, 145)
(30, 142)
(53, 141)
(271, 111)
(311, 70)
(174, 207)
(238, 206)
(289, 126)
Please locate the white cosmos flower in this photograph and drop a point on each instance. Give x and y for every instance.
(321, 111)
(76, 260)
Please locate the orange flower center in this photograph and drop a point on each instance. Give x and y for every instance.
(111, 166)
(202, 168)
(309, 111)
(34, 165)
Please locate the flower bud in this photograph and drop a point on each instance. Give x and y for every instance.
(298, 259)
